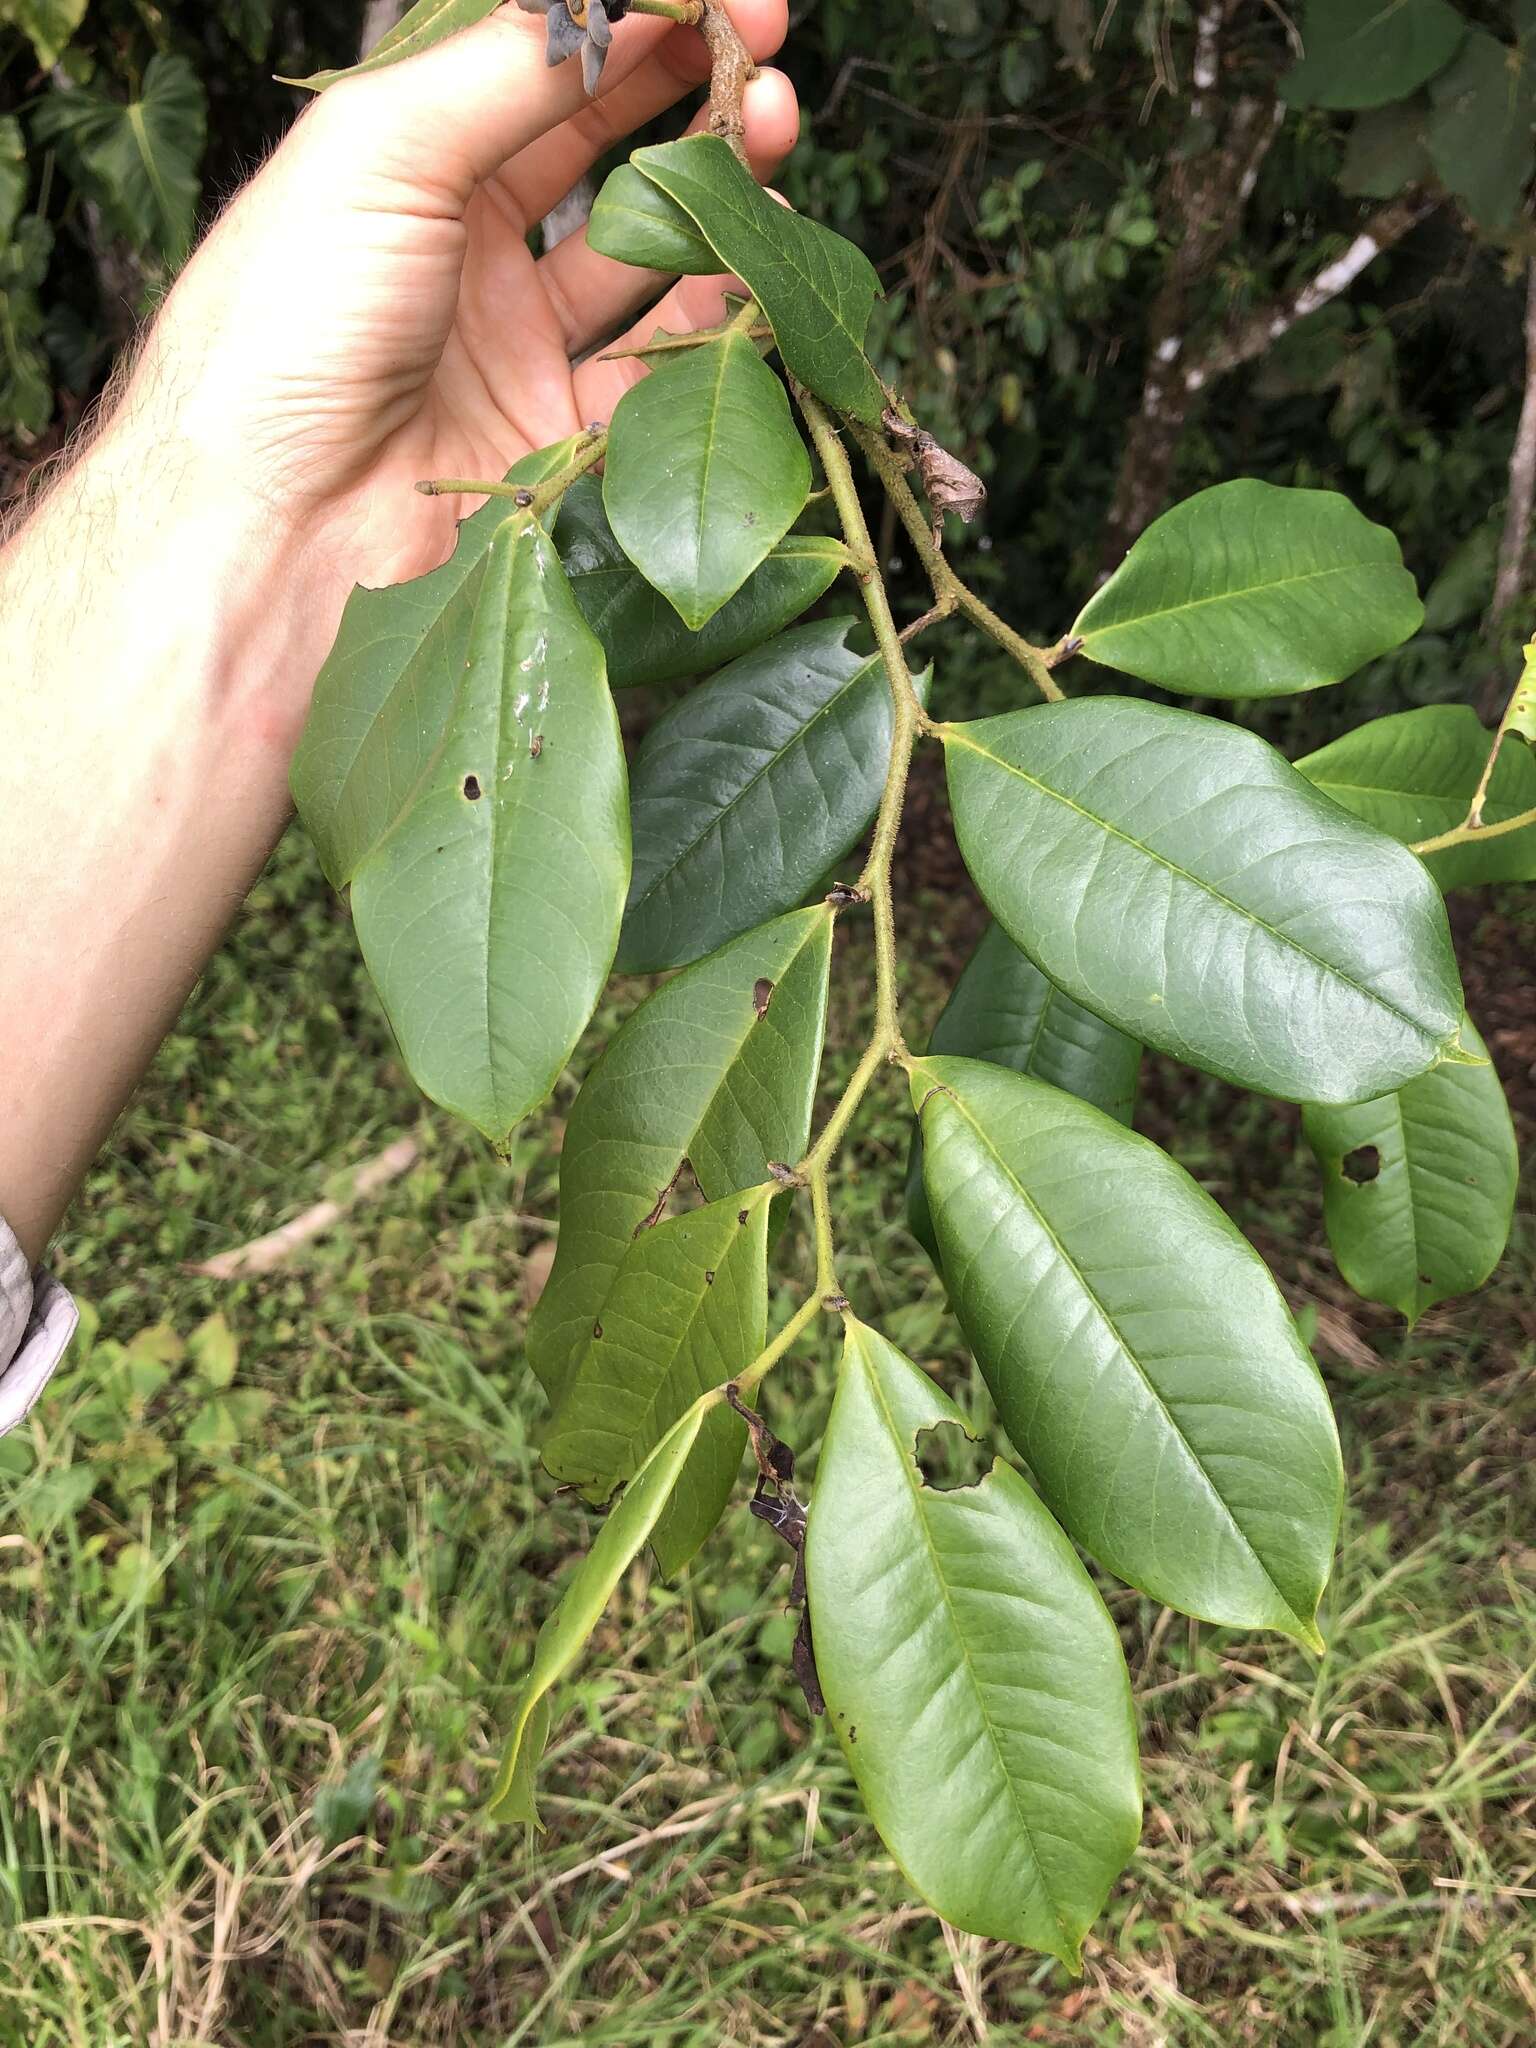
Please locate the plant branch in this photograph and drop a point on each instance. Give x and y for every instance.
(590, 450)
(950, 594)
(1519, 715)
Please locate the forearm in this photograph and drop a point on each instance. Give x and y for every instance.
(157, 641)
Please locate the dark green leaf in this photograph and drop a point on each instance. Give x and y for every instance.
(1363, 53)
(706, 473)
(1180, 879)
(646, 641)
(704, 1073)
(634, 221)
(817, 290)
(1419, 1187)
(687, 1311)
(1249, 590)
(971, 1672)
(138, 161)
(1003, 1010)
(480, 815)
(1139, 1353)
(1387, 150)
(1415, 774)
(751, 789)
(1480, 131)
(428, 22)
(564, 1635)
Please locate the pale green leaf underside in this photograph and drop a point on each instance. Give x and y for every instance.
(687, 1311)
(696, 1074)
(428, 22)
(705, 474)
(1004, 1010)
(1140, 1355)
(1176, 876)
(973, 1677)
(563, 1637)
(749, 791)
(1419, 1187)
(1250, 590)
(1414, 775)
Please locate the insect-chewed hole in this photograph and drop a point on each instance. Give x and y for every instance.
(949, 1459)
(1361, 1166)
(472, 789)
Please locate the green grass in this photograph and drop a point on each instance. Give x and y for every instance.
(269, 1584)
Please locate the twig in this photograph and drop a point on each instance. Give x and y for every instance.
(263, 1254)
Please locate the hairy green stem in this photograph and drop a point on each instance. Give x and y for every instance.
(1465, 833)
(534, 501)
(1472, 826)
(689, 12)
(950, 593)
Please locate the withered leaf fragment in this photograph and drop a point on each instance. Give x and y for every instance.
(947, 483)
(776, 1503)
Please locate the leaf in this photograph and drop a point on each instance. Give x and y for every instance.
(1419, 1187)
(26, 377)
(215, 1351)
(48, 25)
(645, 640)
(973, 1677)
(705, 474)
(428, 22)
(564, 1635)
(1251, 590)
(14, 175)
(751, 789)
(139, 161)
(1480, 131)
(1363, 53)
(817, 290)
(687, 1311)
(703, 1072)
(1386, 151)
(1140, 1355)
(1005, 1011)
(1415, 774)
(344, 1809)
(1181, 880)
(480, 814)
(633, 221)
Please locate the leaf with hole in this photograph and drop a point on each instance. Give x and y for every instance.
(480, 816)
(1251, 590)
(564, 1635)
(1419, 1187)
(1177, 877)
(634, 221)
(1415, 774)
(713, 1076)
(1172, 1417)
(419, 28)
(645, 640)
(687, 1311)
(705, 474)
(1005, 1011)
(751, 789)
(816, 289)
(1365, 53)
(973, 1677)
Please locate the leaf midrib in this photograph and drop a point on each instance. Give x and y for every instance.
(1195, 604)
(956, 735)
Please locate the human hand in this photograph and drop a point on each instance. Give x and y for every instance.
(368, 312)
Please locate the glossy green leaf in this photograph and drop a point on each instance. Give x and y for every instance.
(817, 290)
(1363, 53)
(973, 1677)
(751, 789)
(1004, 1010)
(1419, 1187)
(687, 1311)
(428, 22)
(706, 473)
(1415, 774)
(139, 162)
(645, 640)
(717, 1069)
(634, 221)
(1140, 1355)
(480, 815)
(1480, 131)
(564, 1635)
(1250, 590)
(1181, 880)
